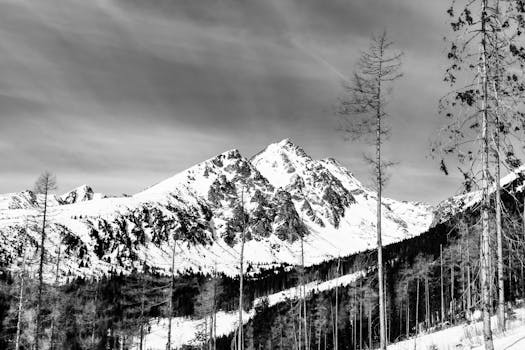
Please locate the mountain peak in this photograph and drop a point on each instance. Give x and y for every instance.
(79, 194)
(287, 150)
(287, 142)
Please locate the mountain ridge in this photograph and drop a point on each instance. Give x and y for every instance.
(288, 196)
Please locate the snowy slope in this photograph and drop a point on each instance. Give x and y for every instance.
(285, 194)
(186, 329)
(462, 202)
(339, 207)
(470, 336)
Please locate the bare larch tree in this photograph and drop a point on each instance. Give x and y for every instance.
(362, 112)
(44, 185)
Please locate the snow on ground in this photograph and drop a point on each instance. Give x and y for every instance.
(469, 336)
(185, 330)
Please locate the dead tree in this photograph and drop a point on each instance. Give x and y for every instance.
(44, 185)
(363, 111)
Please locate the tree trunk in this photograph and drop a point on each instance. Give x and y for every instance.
(469, 282)
(523, 251)
(408, 314)
(142, 302)
(21, 292)
(382, 318)
(214, 308)
(417, 306)
(41, 273)
(370, 326)
(170, 301)
(442, 286)
(304, 296)
(499, 234)
(427, 303)
(452, 297)
(336, 345)
(361, 316)
(57, 271)
(485, 248)
(462, 274)
(241, 277)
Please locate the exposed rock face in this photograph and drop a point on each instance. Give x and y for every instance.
(79, 194)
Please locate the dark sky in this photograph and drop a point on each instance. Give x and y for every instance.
(120, 94)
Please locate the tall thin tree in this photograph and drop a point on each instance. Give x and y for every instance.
(363, 111)
(20, 308)
(44, 185)
(171, 290)
(240, 340)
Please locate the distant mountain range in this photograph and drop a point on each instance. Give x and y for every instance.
(285, 193)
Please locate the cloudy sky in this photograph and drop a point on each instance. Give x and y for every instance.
(120, 94)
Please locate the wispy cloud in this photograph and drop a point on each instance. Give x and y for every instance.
(106, 90)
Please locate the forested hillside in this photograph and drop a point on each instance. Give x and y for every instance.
(429, 278)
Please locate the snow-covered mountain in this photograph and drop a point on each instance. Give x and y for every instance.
(513, 182)
(80, 194)
(285, 193)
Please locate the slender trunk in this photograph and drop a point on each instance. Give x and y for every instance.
(303, 287)
(469, 282)
(170, 301)
(354, 319)
(462, 274)
(452, 297)
(485, 248)
(57, 271)
(241, 277)
(442, 286)
(499, 234)
(21, 291)
(41, 272)
(142, 302)
(210, 332)
(417, 305)
(370, 326)
(408, 315)
(93, 326)
(214, 309)
(333, 323)
(361, 316)
(427, 303)
(336, 345)
(522, 249)
(382, 318)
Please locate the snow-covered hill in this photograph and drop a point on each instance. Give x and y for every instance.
(512, 182)
(285, 193)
